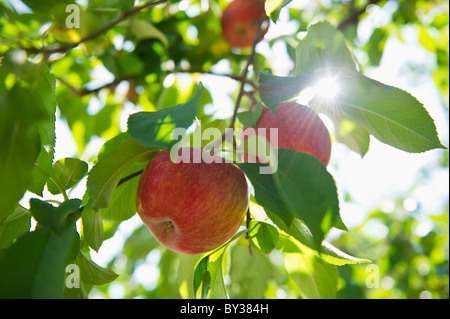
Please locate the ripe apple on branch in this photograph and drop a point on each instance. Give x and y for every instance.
(299, 129)
(241, 21)
(192, 207)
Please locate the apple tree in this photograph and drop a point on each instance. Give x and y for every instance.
(126, 81)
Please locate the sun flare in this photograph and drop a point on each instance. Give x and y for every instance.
(327, 88)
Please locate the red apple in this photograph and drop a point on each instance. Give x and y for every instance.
(191, 207)
(240, 22)
(299, 129)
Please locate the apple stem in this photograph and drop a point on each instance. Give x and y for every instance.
(169, 225)
(247, 224)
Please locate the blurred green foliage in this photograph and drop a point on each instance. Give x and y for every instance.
(409, 251)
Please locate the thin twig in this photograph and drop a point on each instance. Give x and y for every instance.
(231, 76)
(65, 47)
(355, 16)
(243, 80)
(127, 178)
(247, 224)
(86, 91)
(245, 72)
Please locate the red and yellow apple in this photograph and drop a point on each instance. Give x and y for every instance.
(299, 128)
(190, 207)
(241, 20)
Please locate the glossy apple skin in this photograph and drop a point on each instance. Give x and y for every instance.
(191, 208)
(299, 129)
(240, 22)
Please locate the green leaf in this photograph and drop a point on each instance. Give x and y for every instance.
(351, 134)
(390, 114)
(142, 29)
(45, 5)
(112, 4)
(154, 129)
(123, 201)
(31, 101)
(217, 284)
(129, 64)
(19, 146)
(66, 172)
(375, 45)
(93, 274)
(112, 143)
(202, 279)
(46, 129)
(273, 8)
(249, 118)
(315, 278)
(266, 192)
(208, 276)
(45, 214)
(17, 224)
(323, 49)
(275, 89)
(309, 191)
(53, 217)
(305, 240)
(264, 236)
(27, 116)
(249, 273)
(34, 266)
(139, 243)
(92, 226)
(106, 173)
(301, 188)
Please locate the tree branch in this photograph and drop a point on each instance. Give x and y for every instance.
(86, 91)
(247, 224)
(355, 16)
(65, 47)
(243, 80)
(231, 76)
(243, 77)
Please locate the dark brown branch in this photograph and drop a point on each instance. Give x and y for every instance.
(86, 91)
(354, 17)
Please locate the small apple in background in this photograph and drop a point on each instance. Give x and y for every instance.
(240, 22)
(299, 129)
(191, 208)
